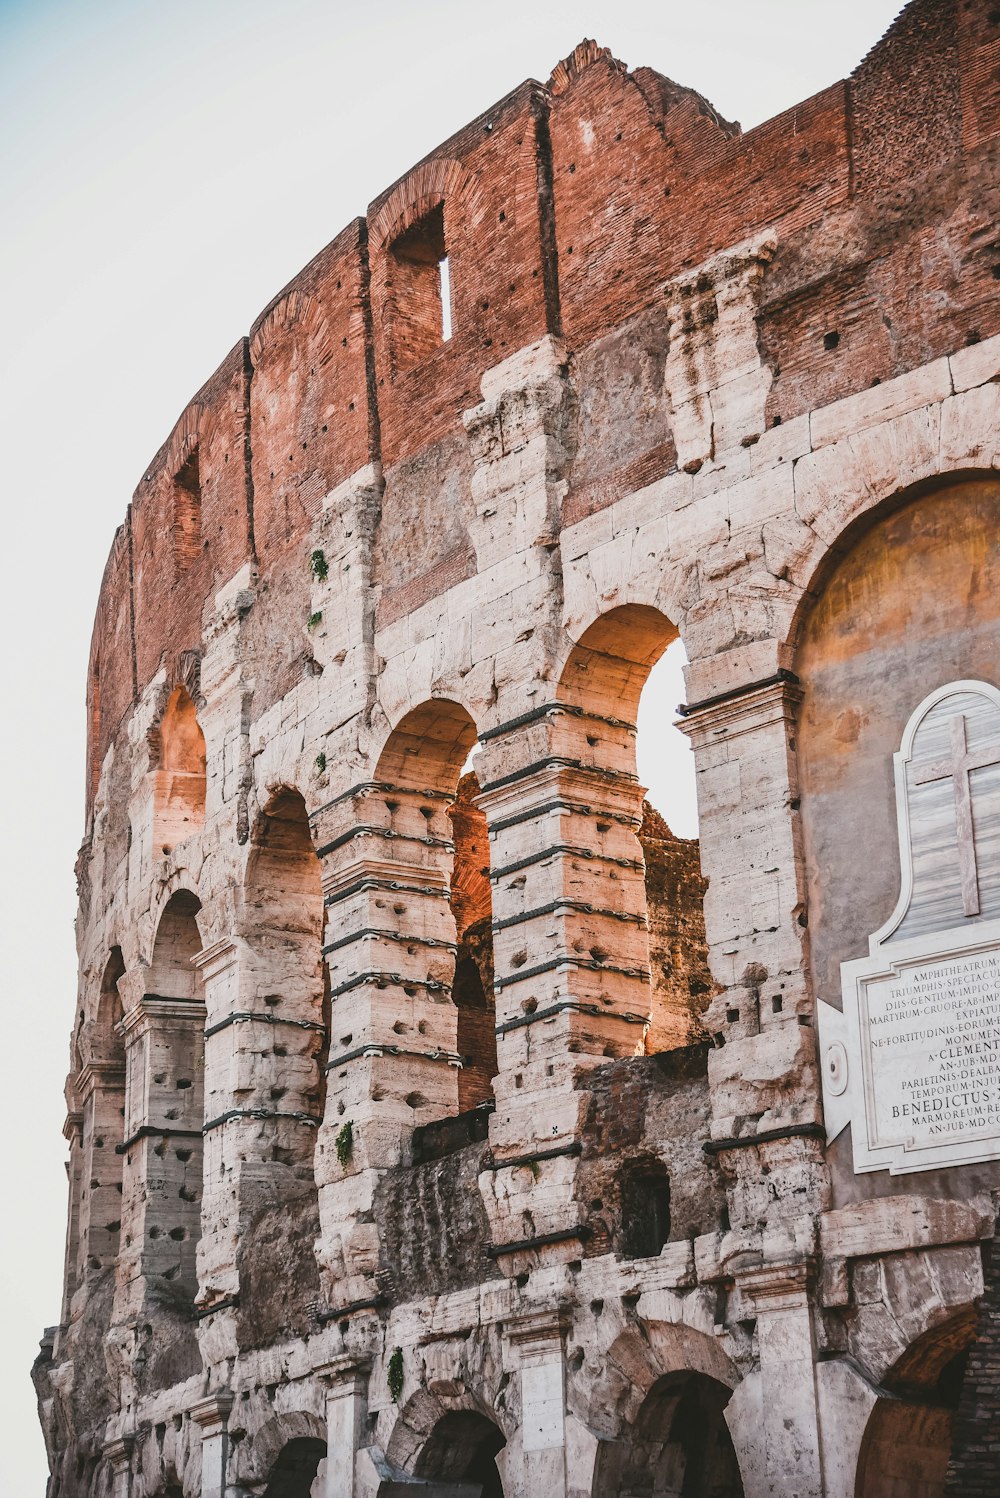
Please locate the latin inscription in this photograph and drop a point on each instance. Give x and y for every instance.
(933, 1040)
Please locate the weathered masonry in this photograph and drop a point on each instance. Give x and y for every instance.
(435, 1121)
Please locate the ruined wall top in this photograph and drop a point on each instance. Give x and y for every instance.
(565, 209)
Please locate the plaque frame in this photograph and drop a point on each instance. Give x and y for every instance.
(847, 1064)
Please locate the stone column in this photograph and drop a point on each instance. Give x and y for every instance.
(766, 1106)
(212, 1415)
(571, 949)
(249, 1052)
(390, 947)
(537, 1346)
(118, 1454)
(73, 1134)
(346, 1379)
(778, 1294)
(762, 1070)
(162, 1177)
(101, 1089)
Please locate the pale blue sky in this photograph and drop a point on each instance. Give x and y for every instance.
(164, 169)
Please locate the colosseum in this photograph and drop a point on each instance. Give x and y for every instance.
(437, 1118)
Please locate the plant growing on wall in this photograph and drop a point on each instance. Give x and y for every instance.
(345, 1144)
(313, 620)
(319, 566)
(320, 762)
(394, 1376)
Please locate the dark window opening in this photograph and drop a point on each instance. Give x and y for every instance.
(187, 512)
(645, 1197)
(419, 291)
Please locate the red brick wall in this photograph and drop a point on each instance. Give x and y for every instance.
(312, 414)
(170, 592)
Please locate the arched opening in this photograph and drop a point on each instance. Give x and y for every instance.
(678, 1447)
(179, 776)
(294, 1473)
(462, 1449)
(627, 667)
(102, 1087)
(165, 1105)
(908, 1438)
(419, 892)
(909, 603)
(472, 907)
(279, 1064)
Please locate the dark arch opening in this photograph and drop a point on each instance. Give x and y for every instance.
(679, 1446)
(294, 1473)
(462, 1448)
(907, 1441)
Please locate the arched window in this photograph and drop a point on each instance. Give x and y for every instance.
(179, 776)
(278, 1065)
(165, 1107)
(627, 667)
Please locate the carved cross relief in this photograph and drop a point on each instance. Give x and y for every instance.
(958, 768)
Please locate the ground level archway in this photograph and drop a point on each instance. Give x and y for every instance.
(679, 1445)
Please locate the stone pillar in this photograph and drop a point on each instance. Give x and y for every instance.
(778, 1294)
(101, 1089)
(762, 1070)
(162, 1177)
(212, 1415)
(346, 1379)
(118, 1454)
(537, 1345)
(390, 947)
(250, 1051)
(571, 949)
(766, 1106)
(73, 1134)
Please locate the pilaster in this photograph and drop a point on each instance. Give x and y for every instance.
(212, 1416)
(346, 1380)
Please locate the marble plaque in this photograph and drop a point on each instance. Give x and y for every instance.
(912, 1061)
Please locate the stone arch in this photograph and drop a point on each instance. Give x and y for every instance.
(423, 758)
(832, 524)
(604, 674)
(282, 923)
(678, 1447)
(277, 1462)
(613, 656)
(428, 747)
(655, 1382)
(165, 1076)
(179, 777)
(907, 600)
(908, 1437)
(450, 1439)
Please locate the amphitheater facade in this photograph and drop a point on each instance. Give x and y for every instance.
(437, 1119)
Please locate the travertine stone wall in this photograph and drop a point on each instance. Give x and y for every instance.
(479, 1142)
